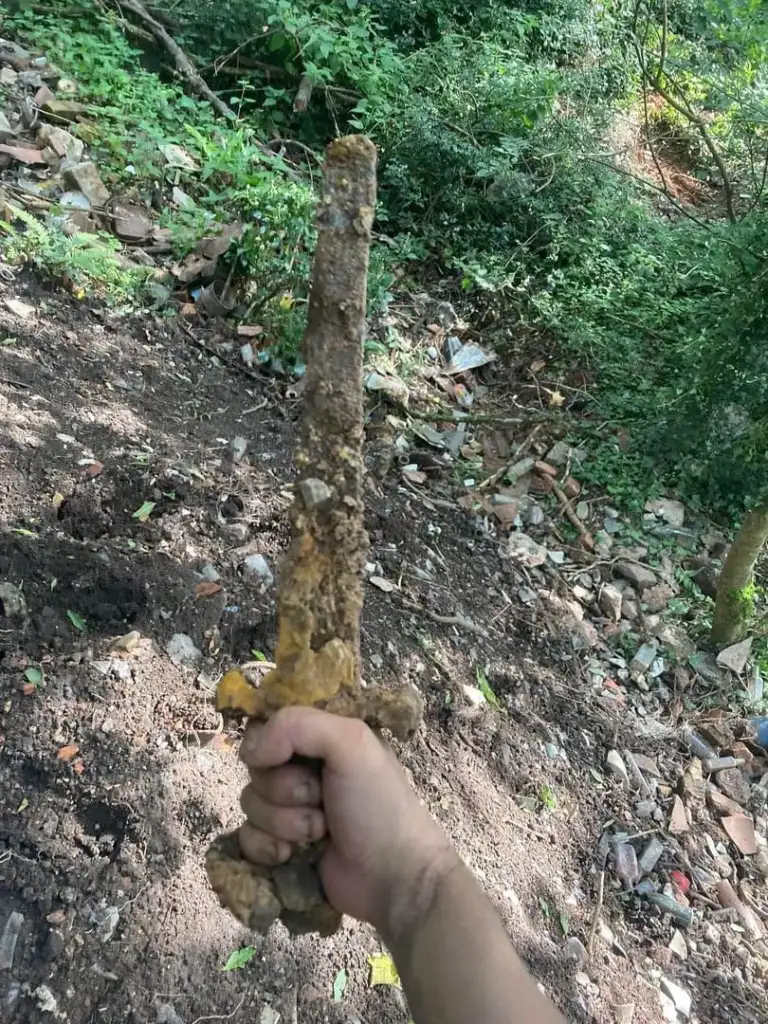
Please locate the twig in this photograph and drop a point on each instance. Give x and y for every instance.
(596, 915)
(567, 508)
(445, 620)
(447, 417)
(521, 448)
(221, 1016)
(15, 383)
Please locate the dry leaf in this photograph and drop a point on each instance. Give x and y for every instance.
(57, 500)
(68, 752)
(249, 330)
(79, 766)
(556, 399)
(414, 476)
(207, 589)
(538, 365)
(94, 468)
(383, 970)
(29, 689)
(741, 832)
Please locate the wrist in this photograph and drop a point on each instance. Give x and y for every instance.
(415, 895)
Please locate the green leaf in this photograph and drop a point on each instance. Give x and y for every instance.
(596, 775)
(33, 675)
(77, 620)
(239, 958)
(24, 533)
(547, 797)
(565, 922)
(340, 985)
(485, 688)
(144, 511)
(258, 655)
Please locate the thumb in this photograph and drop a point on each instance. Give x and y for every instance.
(307, 732)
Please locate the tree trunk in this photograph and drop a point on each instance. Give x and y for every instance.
(729, 623)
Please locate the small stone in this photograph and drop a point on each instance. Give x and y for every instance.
(735, 657)
(630, 607)
(24, 154)
(237, 533)
(238, 446)
(615, 764)
(535, 515)
(313, 491)
(655, 598)
(640, 577)
(65, 145)
(65, 110)
(560, 453)
(53, 946)
(626, 864)
(12, 601)
(624, 1012)
(256, 570)
(610, 600)
(679, 996)
(46, 1000)
(573, 952)
(720, 803)
(582, 510)
(128, 643)
(678, 946)
(131, 221)
(670, 511)
(741, 832)
(108, 726)
(734, 785)
(182, 651)
(85, 177)
(9, 939)
(210, 573)
(583, 635)
(166, 1014)
(473, 695)
(645, 808)
(106, 920)
(8, 77)
(6, 131)
(522, 548)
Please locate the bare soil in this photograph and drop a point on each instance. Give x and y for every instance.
(102, 853)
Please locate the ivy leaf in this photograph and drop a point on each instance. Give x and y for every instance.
(485, 688)
(33, 675)
(239, 958)
(340, 985)
(77, 620)
(258, 655)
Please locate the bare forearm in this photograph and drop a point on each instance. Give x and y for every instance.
(457, 964)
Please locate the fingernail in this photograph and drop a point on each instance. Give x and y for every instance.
(302, 794)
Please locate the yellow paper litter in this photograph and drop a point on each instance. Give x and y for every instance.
(383, 970)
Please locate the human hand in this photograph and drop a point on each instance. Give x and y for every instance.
(385, 855)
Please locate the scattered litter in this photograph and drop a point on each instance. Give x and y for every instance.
(669, 905)
(615, 764)
(238, 446)
(741, 832)
(625, 860)
(382, 584)
(394, 388)
(340, 985)
(383, 970)
(678, 946)
(182, 651)
(19, 308)
(679, 996)
(650, 856)
(678, 820)
(469, 357)
(256, 570)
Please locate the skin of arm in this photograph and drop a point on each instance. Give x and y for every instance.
(388, 863)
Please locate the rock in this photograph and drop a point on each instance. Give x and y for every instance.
(615, 764)
(643, 660)
(583, 635)
(473, 695)
(24, 154)
(560, 453)
(610, 601)
(238, 446)
(65, 110)
(678, 946)
(46, 1001)
(679, 996)
(650, 856)
(9, 939)
(8, 77)
(678, 819)
(522, 548)
(670, 511)
(13, 604)
(645, 808)
(106, 920)
(182, 651)
(53, 946)
(256, 570)
(734, 785)
(640, 577)
(65, 145)
(535, 515)
(6, 131)
(85, 177)
(573, 952)
(630, 607)
(237, 533)
(132, 223)
(741, 832)
(720, 803)
(735, 657)
(655, 598)
(128, 643)
(313, 491)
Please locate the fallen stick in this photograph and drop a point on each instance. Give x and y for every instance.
(567, 508)
(320, 598)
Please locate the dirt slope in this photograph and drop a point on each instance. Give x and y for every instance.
(102, 852)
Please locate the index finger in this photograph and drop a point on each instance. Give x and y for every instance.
(307, 732)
